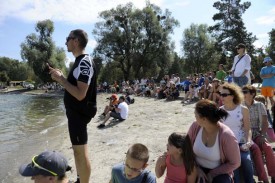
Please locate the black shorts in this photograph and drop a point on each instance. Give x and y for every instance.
(116, 116)
(77, 124)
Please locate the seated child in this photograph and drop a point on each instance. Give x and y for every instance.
(179, 160)
(133, 169)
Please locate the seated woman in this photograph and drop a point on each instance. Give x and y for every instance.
(238, 122)
(214, 144)
(259, 125)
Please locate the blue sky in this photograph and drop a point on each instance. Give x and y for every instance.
(18, 19)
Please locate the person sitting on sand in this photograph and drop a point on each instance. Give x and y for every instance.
(214, 144)
(47, 167)
(134, 168)
(178, 161)
(120, 113)
(113, 100)
(260, 149)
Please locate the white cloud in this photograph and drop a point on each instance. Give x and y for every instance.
(92, 43)
(262, 36)
(268, 19)
(177, 4)
(258, 44)
(70, 11)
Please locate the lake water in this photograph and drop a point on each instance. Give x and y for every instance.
(28, 124)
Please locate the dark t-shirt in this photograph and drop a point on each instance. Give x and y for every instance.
(83, 70)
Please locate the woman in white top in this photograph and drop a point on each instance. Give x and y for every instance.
(238, 122)
(241, 66)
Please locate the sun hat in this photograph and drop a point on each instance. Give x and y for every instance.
(48, 163)
(267, 59)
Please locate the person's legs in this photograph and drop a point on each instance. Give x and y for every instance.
(264, 92)
(106, 118)
(270, 158)
(186, 95)
(237, 175)
(106, 110)
(271, 101)
(258, 161)
(270, 94)
(82, 162)
(77, 124)
(247, 167)
(116, 115)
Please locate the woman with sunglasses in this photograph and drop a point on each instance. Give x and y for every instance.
(238, 122)
(241, 66)
(259, 126)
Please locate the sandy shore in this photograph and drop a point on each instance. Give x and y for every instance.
(150, 122)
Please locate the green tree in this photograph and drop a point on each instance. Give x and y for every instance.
(271, 45)
(137, 40)
(198, 49)
(177, 65)
(230, 29)
(3, 77)
(39, 49)
(15, 70)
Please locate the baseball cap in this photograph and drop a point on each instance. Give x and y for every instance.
(267, 59)
(48, 163)
(114, 96)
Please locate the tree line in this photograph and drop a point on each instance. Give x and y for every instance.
(133, 43)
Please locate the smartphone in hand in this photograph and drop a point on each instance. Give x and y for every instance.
(47, 67)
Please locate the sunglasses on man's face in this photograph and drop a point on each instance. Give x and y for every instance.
(69, 38)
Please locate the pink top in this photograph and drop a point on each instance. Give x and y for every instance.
(175, 174)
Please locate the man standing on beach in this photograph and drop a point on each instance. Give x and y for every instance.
(79, 99)
(268, 76)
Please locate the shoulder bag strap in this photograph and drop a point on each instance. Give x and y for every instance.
(145, 177)
(238, 62)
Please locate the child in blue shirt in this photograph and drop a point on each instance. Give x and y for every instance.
(133, 169)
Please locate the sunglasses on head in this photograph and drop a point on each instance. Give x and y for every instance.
(225, 94)
(34, 164)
